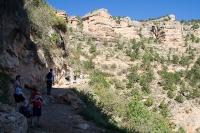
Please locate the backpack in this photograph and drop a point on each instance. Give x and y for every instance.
(49, 75)
(26, 111)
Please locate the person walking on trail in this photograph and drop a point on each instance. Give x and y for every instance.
(49, 80)
(18, 86)
(74, 74)
(37, 100)
(68, 77)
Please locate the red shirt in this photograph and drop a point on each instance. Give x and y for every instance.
(38, 101)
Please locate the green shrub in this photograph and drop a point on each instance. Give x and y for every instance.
(60, 23)
(146, 89)
(163, 105)
(175, 59)
(147, 58)
(78, 46)
(118, 84)
(195, 26)
(38, 2)
(54, 38)
(94, 113)
(164, 109)
(141, 36)
(92, 48)
(181, 130)
(133, 56)
(179, 98)
(89, 41)
(170, 77)
(98, 77)
(195, 93)
(184, 60)
(133, 77)
(145, 121)
(113, 66)
(169, 87)
(193, 38)
(89, 65)
(133, 41)
(119, 45)
(149, 102)
(197, 40)
(170, 94)
(193, 75)
(105, 43)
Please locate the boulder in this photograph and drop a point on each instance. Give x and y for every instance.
(11, 121)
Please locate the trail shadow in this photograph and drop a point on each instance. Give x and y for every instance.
(94, 113)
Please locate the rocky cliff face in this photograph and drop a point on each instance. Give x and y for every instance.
(99, 23)
(18, 53)
(166, 30)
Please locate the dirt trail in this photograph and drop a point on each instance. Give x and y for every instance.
(61, 118)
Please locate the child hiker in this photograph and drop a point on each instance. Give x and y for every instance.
(37, 100)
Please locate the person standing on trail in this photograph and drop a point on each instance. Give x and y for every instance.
(49, 78)
(37, 100)
(18, 86)
(74, 74)
(68, 77)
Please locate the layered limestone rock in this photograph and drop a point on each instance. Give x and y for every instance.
(99, 23)
(104, 27)
(169, 32)
(166, 29)
(11, 121)
(62, 14)
(73, 20)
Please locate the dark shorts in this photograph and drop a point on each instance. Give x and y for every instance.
(37, 111)
(18, 98)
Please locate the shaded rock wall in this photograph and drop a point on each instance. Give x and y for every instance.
(19, 54)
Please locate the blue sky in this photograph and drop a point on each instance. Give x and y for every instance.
(135, 9)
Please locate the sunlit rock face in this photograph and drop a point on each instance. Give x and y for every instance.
(166, 29)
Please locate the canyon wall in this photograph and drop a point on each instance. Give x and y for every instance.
(167, 30)
(19, 55)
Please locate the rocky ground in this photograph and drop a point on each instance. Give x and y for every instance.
(59, 116)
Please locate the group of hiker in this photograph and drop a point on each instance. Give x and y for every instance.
(35, 98)
(68, 76)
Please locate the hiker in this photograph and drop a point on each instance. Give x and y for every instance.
(49, 80)
(37, 100)
(68, 76)
(74, 74)
(81, 76)
(18, 86)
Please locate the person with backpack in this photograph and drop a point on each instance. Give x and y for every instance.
(37, 100)
(68, 77)
(49, 80)
(18, 86)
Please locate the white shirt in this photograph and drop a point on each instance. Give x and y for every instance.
(18, 90)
